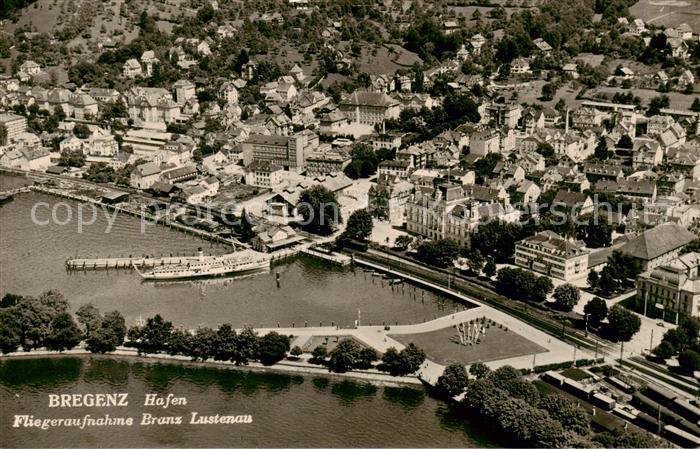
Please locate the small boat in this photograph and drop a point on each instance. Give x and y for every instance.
(5, 199)
(377, 274)
(397, 281)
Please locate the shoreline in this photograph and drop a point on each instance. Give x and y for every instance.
(283, 367)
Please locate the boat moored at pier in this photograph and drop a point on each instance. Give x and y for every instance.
(240, 262)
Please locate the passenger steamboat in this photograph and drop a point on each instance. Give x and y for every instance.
(240, 262)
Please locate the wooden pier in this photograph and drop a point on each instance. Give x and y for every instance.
(334, 258)
(126, 262)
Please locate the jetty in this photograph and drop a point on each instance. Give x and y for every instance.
(129, 262)
(334, 258)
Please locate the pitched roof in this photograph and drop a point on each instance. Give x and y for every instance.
(366, 98)
(657, 241)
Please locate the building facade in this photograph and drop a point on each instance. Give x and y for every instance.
(548, 253)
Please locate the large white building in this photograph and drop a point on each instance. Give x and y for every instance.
(672, 290)
(548, 253)
(12, 125)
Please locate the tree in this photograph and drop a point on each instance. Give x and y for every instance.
(272, 348)
(689, 361)
(247, 232)
(109, 335)
(601, 150)
(490, 267)
(479, 370)
(81, 131)
(546, 150)
(319, 353)
(475, 261)
(566, 296)
(567, 412)
(625, 142)
(439, 253)
(596, 233)
(453, 380)
(664, 350)
(344, 356)
(89, 317)
(10, 331)
(70, 158)
(695, 107)
(405, 362)
(359, 226)
(622, 324)
(203, 345)
(366, 358)
(403, 242)
(246, 347)
(320, 210)
(64, 333)
(593, 279)
(152, 337)
(497, 239)
(656, 104)
(296, 351)
(597, 311)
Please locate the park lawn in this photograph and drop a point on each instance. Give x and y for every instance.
(677, 100)
(575, 374)
(329, 342)
(442, 346)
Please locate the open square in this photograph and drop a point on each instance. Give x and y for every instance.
(443, 346)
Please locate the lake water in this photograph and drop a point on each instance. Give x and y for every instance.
(287, 410)
(32, 259)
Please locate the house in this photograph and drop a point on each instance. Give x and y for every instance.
(548, 253)
(646, 154)
(394, 168)
(386, 141)
(271, 237)
(636, 190)
(672, 290)
(450, 26)
(387, 199)
(520, 66)
(326, 161)
(12, 125)
(570, 69)
(30, 67)
(477, 42)
(679, 48)
(543, 46)
(285, 151)
(148, 60)
(178, 174)
(184, 90)
(527, 192)
(575, 202)
(659, 245)
(145, 175)
(264, 174)
(484, 142)
(685, 161)
(331, 123)
(34, 159)
(637, 26)
(132, 69)
(225, 31)
(685, 79)
(369, 107)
